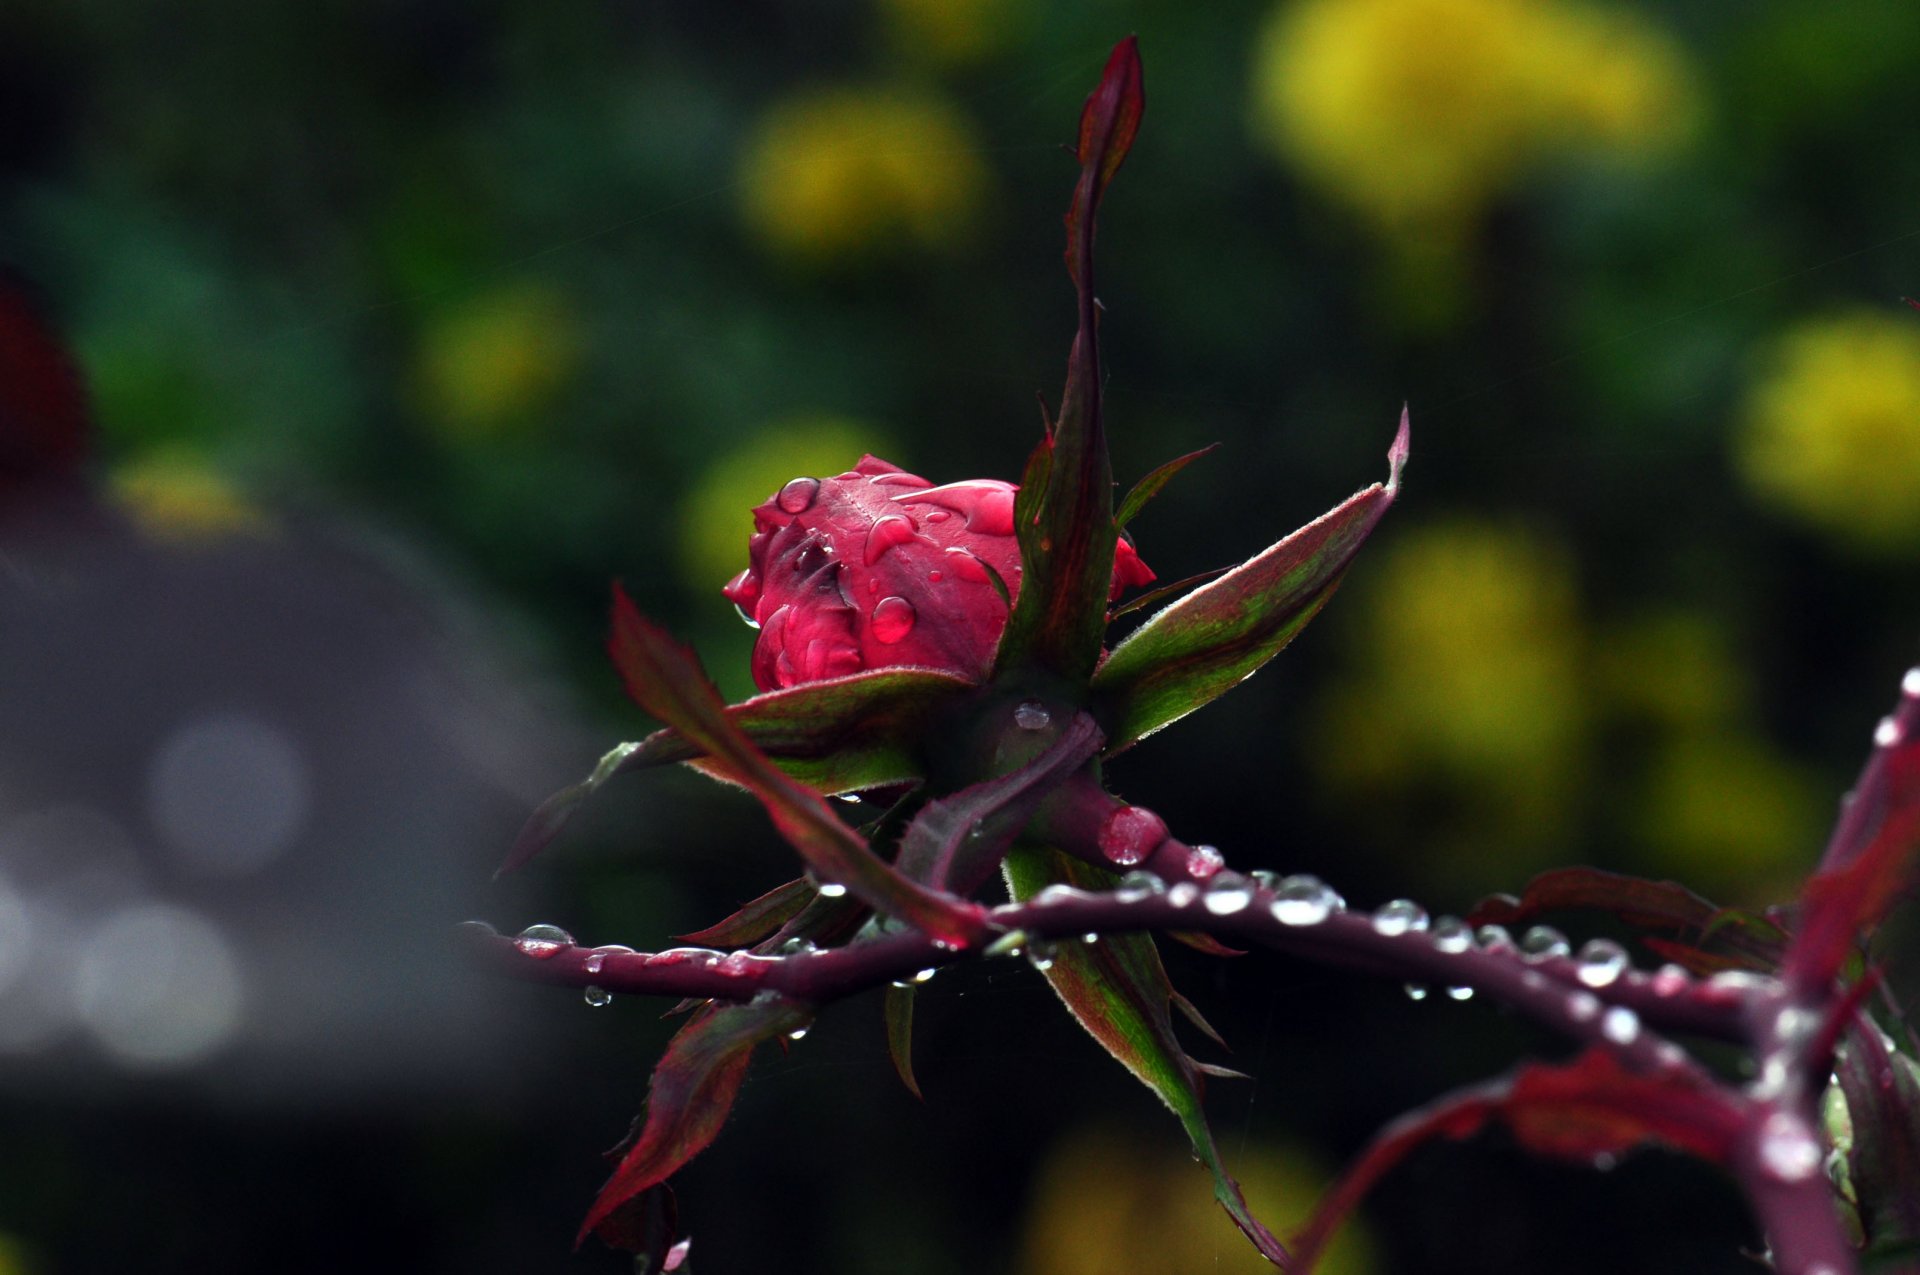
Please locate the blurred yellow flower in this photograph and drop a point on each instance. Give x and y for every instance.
(1737, 821)
(950, 32)
(839, 172)
(1466, 685)
(1674, 670)
(715, 521)
(1418, 111)
(1106, 1203)
(1832, 429)
(177, 496)
(486, 367)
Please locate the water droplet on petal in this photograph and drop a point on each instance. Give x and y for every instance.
(1032, 715)
(962, 563)
(1601, 962)
(597, 997)
(1130, 834)
(1204, 861)
(1399, 917)
(887, 533)
(797, 496)
(1620, 1025)
(1302, 900)
(1788, 1150)
(1452, 935)
(543, 942)
(1543, 941)
(1227, 894)
(892, 619)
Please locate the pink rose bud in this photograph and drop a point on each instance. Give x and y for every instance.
(877, 568)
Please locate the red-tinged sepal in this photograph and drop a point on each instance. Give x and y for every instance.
(1066, 528)
(1880, 1135)
(691, 1094)
(845, 734)
(1195, 650)
(1581, 1110)
(667, 681)
(1149, 487)
(899, 1015)
(1117, 990)
(756, 919)
(1869, 860)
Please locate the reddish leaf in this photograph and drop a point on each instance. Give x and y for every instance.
(840, 735)
(1065, 522)
(45, 429)
(1748, 941)
(1154, 597)
(1117, 990)
(1592, 1106)
(1198, 648)
(691, 1095)
(899, 1013)
(755, 920)
(1882, 1089)
(1869, 860)
(667, 681)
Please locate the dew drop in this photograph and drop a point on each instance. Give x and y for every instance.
(1601, 962)
(1670, 980)
(1583, 1007)
(797, 946)
(1183, 894)
(1090, 938)
(1620, 1025)
(1494, 938)
(1401, 916)
(1204, 861)
(1040, 955)
(597, 997)
(1416, 991)
(1264, 878)
(1460, 993)
(1452, 935)
(798, 1033)
(1130, 834)
(1910, 684)
(1542, 942)
(924, 976)
(893, 619)
(746, 616)
(542, 942)
(1032, 715)
(797, 496)
(1137, 886)
(1303, 900)
(1227, 893)
(957, 560)
(1887, 733)
(1057, 893)
(593, 962)
(831, 889)
(1795, 1024)
(1788, 1150)
(887, 533)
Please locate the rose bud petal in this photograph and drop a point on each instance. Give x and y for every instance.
(877, 568)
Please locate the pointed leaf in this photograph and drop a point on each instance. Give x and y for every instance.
(667, 681)
(1149, 487)
(1118, 990)
(757, 919)
(1591, 1106)
(1870, 859)
(1200, 647)
(691, 1094)
(1749, 940)
(1067, 536)
(840, 735)
(955, 843)
(899, 1010)
(1882, 1088)
(1154, 597)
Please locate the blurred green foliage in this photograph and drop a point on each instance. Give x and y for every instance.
(558, 292)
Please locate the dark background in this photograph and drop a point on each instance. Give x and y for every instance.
(411, 326)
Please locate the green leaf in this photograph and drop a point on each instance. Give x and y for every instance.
(1198, 648)
(757, 919)
(1149, 487)
(1065, 524)
(835, 736)
(1118, 990)
(691, 1094)
(899, 1008)
(668, 682)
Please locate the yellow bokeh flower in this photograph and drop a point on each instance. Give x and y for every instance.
(950, 33)
(1832, 430)
(839, 172)
(1419, 111)
(715, 521)
(1467, 686)
(1105, 1203)
(486, 367)
(1726, 810)
(178, 496)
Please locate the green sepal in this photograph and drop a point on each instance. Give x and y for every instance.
(899, 1011)
(1118, 991)
(1149, 487)
(1195, 650)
